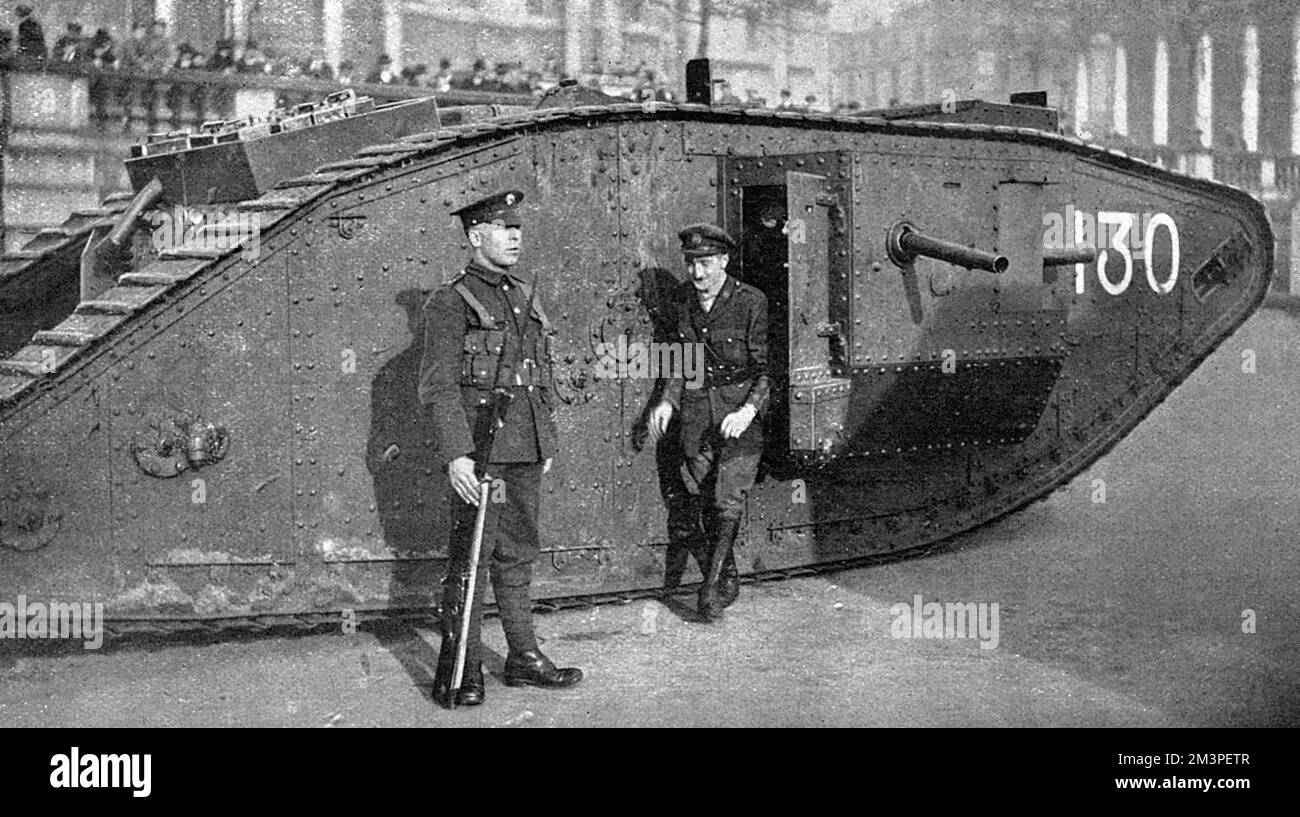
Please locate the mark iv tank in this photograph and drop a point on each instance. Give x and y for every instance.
(221, 427)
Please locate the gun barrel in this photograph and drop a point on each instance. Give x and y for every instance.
(130, 218)
(1072, 255)
(905, 244)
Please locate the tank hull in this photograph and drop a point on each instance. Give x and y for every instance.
(916, 403)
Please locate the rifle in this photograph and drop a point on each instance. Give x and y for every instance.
(467, 593)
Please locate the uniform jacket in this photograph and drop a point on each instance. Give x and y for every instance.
(734, 336)
(462, 349)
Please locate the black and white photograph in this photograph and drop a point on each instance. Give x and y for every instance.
(651, 363)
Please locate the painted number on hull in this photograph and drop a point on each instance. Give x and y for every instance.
(1115, 262)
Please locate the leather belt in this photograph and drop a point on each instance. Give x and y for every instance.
(525, 373)
(716, 378)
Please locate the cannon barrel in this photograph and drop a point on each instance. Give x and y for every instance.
(140, 204)
(1071, 255)
(905, 244)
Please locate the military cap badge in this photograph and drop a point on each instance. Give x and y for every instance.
(501, 207)
(700, 240)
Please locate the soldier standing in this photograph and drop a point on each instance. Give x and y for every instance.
(721, 443)
(484, 383)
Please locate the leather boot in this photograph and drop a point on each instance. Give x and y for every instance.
(710, 604)
(685, 539)
(683, 544)
(729, 583)
(531, 668)
(471, 692)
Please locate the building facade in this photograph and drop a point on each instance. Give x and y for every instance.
(758, 46)
(1207, 88)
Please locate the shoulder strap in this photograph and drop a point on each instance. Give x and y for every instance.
(526, 290)
(485, 318)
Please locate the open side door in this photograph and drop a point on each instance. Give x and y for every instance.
(792, 215)
(818, 237)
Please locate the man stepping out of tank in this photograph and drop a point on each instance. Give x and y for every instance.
(720, 433)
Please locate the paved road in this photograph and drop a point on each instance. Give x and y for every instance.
(1122, 613)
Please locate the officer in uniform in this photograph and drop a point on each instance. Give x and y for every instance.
(719, 424)
(485, 386)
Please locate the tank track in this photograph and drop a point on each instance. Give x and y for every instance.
(128, 632)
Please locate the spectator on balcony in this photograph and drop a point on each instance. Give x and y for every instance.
(277, 65)
(476, 80)
(441, 81)
(415, 74)
(533, 83)
(662, 94)
(133, 50)
(383, 73)
(647, 87)
(427, 79)
(253, 61)
(786, 102)
(347, 73)
(223, 57)
(724, 95)
(500, 81)
(185, 54)
(157, 53)
(550, 75)
(102, 52)
(72, 47)
(318, 68)
(31, 37)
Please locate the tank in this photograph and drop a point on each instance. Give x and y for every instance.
(208, 408)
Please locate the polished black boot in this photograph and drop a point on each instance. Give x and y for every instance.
(683, 544)
(675, 559)
(686, 539)
(471, 692)
(531, 668)
(710, 604)
(471, 686)
(729, 583)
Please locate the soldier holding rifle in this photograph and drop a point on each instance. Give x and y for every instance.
(484, 383)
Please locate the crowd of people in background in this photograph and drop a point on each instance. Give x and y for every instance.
(150, 49)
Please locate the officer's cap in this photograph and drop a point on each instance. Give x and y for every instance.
(700, 240)
(503, 207)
